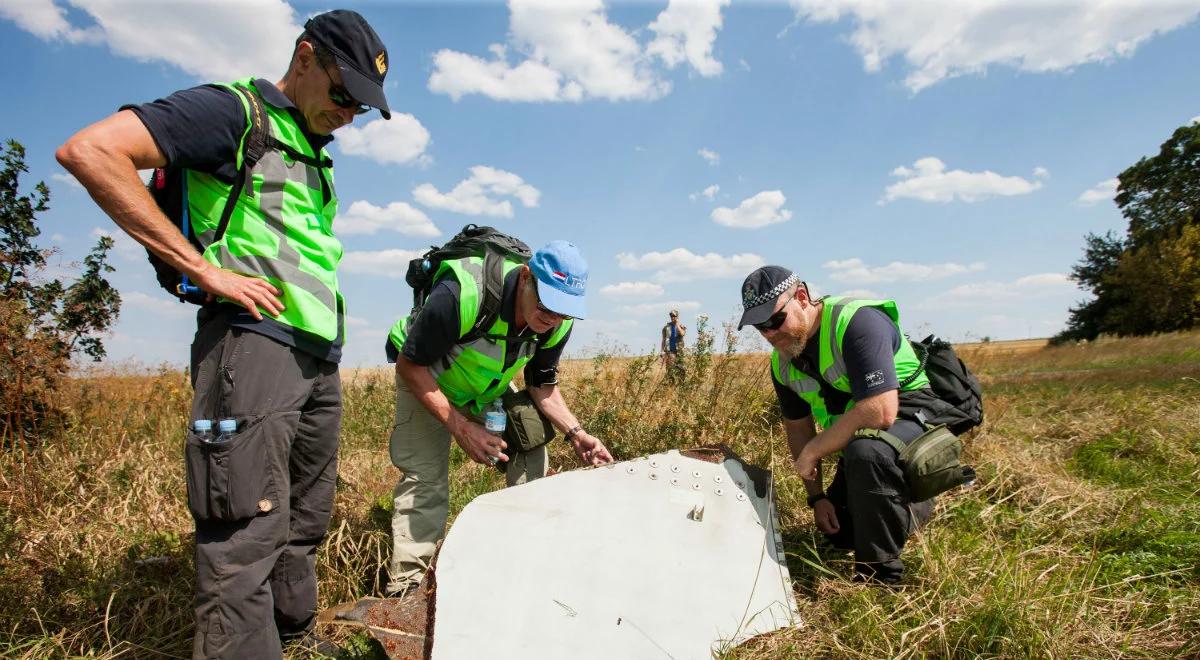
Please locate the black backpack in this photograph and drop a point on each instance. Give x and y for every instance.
(168, 187)
(473, 241)
(952, 383)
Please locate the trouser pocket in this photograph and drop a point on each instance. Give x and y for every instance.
(242, 477)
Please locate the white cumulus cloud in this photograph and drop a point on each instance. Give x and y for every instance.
(477, 194)
(682, 265)
(1038, 285)
(708, 193)
(157, 305)
(221, 40)
(709, 155)
(1101, 192)
(365, 218)
(929, 181)
(383, 263)
(566, 50)
(765, 208)
(685, 31)
(123, 244)
(67, 178)
(855, 271)
(402, 139)
(632, 290)
(940, 40)
(660, 308)
(1194, 120)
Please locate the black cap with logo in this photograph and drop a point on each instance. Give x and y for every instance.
(360, 55)
(761, 289)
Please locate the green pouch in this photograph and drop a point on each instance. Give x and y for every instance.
(527, 427)
(930, 462)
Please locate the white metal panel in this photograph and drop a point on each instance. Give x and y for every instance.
(661, 557)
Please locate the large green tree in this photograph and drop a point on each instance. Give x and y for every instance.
(1149, 280)
(43, 321)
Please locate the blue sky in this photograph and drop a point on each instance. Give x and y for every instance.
(949, 155)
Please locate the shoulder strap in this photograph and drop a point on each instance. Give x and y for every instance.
(492, 299)
(891, 440)
(919, 348)
(256, 145)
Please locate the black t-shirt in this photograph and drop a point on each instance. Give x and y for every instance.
(869, 347)
(436, 330)
(200, 129)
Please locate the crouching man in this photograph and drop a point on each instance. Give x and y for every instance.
(447, 379)
(844, 364)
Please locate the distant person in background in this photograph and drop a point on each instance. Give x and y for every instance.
(844, 364)
(269, 335)
(446, 382)
(672, 341)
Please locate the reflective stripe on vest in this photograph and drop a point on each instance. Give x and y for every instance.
(281, 228)
(835, 318)
(473, 373)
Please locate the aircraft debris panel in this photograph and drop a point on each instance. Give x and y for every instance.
(665, 556)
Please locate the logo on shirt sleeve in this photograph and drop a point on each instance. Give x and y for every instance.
(875, 378)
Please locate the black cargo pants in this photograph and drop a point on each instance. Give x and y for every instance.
(874, 514)
(261, 502)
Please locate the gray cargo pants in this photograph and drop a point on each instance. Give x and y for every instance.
(261, 502)
(874, 514)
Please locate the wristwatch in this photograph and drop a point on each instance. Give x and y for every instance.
(813, 499)
(571, 433)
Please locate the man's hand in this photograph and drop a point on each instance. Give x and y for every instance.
(825, 516)
(590, 450)
(249, 292)
(806, 464)
(483, 447)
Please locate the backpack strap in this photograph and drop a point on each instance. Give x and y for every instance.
(493, 294)
(257, 143)
(891, 440)
(919, 348)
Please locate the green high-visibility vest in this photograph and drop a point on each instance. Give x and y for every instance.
(281, 229)
(835, 318)
(472, 374)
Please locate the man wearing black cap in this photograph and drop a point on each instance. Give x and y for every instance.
(844, 364)
(239, 220)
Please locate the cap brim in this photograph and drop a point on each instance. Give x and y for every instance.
(561, 303)
(363, 89)
(757, 314)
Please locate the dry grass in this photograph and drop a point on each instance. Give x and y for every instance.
(1081, 537)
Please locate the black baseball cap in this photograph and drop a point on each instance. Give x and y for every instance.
(761, 289)
(359, 53)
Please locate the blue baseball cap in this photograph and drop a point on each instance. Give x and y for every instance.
(561, 275)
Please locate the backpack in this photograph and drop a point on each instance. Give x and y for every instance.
(952, 383)
(168, 187)
(473, 241)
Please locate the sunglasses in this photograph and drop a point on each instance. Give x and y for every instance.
(546, 310)
(774, 321)
(341, 98)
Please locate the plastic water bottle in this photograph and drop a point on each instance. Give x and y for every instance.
(203, 429)
(226, 428)
(495, 420)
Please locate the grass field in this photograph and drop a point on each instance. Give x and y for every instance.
(1081, 537)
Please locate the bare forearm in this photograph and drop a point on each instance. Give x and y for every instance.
(424, 388)
(105, 158)
(876, 412)
(549, 400)
(799, 433)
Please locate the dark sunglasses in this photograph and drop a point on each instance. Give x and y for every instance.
(341, 98)
(546, 310)
(774, 321)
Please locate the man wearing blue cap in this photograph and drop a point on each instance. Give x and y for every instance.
(447, 378)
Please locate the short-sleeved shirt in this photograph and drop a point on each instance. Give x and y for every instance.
(869, 347)
(201, 129)
(435, 331)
